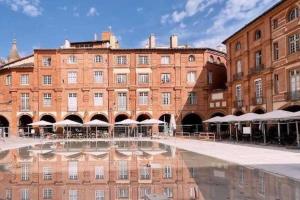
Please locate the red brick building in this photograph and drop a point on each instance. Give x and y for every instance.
(98, 80)
(264, 62)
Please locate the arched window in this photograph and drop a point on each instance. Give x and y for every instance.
(218, 60)
(98, 59)
(257, 34)
(238, 46)
(293, 14)
(211, 59)
(192, 58)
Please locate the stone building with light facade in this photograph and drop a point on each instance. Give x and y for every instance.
(99, 80)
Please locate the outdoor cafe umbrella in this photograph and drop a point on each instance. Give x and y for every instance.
(152, 122)
(67, 123)
(127, 122)
(40, 123)
(97, 123)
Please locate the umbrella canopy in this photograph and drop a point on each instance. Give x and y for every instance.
(127, 122)
(275, 115)
(41, 123)
(214, 119)
(152, 121)
(67, 122)
(248, 117)
(295, 115)
(229, 118)
(97, 122)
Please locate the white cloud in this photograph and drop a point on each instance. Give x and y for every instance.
(92, 12)
(164, 19)
(31, 8)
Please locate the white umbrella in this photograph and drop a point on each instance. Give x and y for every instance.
(213, 120)
(248, 117)
(152, 121)
(127, 122)
(97, 122)
(67, 122)
(275, 115)
(41, 123)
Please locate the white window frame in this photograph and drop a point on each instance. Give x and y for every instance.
(98, 59)
(143, 78)
(143, 97)
(143, 59)
(192, 58)
(191, 77)
(122, 101)
(165, 78)
(47, 173)
(121, 60)
(98, 76)
(165, 60)
(99, 195)
(72, 77)
(99, 172)
(258, 88)
(168, 191)
(123, 170)
(73, 170)
(25, 194)
(258, 58)
(143, 191)
(25, 102)
(72, 106)
(145, 172)
(46, 61)
(24, 79)
(123, 193)
(98, 99)
(238, 92)
(167, 172)
(25, 170)
(192, 98)
(73, 195)
(294, 43)
(121, 78)
(72, 59)
(47, 193)
(8, 194)
(47, 99)
(47, 79)
(275, 51)
(8, 79)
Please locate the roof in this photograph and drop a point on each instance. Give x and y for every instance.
(27, 61)
(254, 20)
(90, 42)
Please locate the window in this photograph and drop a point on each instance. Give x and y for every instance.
(192, 58)
(25, 102)
(191, 77)
(121, 78)
(258, 88)
(72, 59)
(145, 172)
(143, 98)
(122, 101)
(211, 59)
(193, 192)
(192, 171)
(99, 195)
(47, 99)
(72, 77)
(46, 61)
(293, 14)
(73, 173)
(257, 34)
(24, 194)
(8, 80)
(72, 102)
(238, 46)
(47, 79)
(8, 194)
(165, 78)
(99, 172)
(275, 23)
(276, 83)
(98, 76)
(238, 92)
(192, 98)
(73, 195)
(47, 193)
(165, 60)
(166, 98)
(241, 176)
(239, 67)
(275, 51)
(143, 60)
(210, 77)
(294, 84)
(98, 59)
(24, 79)
(123, 193)
(121, 60)
(143, 78)
(98, 99)
(143, 191)
(294, 45)
(123, 170)
(218, 60)
(258, 59)
(168, 192)
(47, 173)
(261, 183)
(167, 172)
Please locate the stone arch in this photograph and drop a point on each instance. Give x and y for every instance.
(292, 108)
(121, 117)
(75, 118)
(219, 113)
(143, 116)
(238, 112)
(192, 122)
(166, 117)
(48, 118)
(99, 116)
(24, 120)
(259, 110)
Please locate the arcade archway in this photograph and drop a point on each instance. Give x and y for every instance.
(4, 126)
(74, 118)
(192, 123)
(166, 118)
(121, 130)
(100, 117)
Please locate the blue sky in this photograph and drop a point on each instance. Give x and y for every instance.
(47, 23)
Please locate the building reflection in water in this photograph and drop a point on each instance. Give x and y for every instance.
(131, 170)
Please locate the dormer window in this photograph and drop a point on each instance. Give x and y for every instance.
(293, 14)
(192, 58)
(238, 46)
(257, 34)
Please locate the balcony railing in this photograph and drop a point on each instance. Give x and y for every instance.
(238, 103)
(24, 108)
(238, 76)
(258, 100)
(256, 69)
(293, 95)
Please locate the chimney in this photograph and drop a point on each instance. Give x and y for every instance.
(173, 41)
(151, 41)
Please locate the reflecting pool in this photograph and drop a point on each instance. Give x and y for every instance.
(131, 170)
